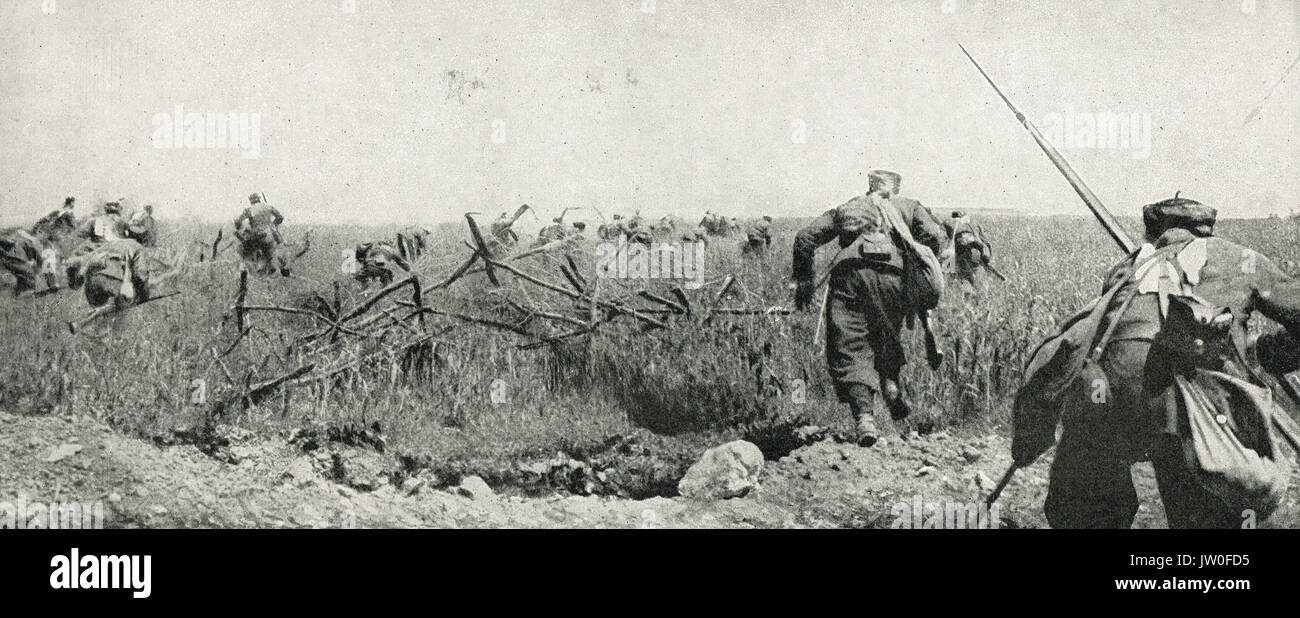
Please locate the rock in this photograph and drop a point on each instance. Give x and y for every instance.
(158, 510)
(141, 491)
(298, 473)
(412, 485)
(114, 497)
(474, 488)
(928, 461)
(925, 470)
(970, 454)
(984, 482)
(726, 471)
(61, 452)
(361, 469)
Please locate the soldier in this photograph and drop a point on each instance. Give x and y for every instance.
(611, 231)
(375, 258)
(413, 241)
(102, 228)
(758, 236)
(258, 231)
(142, 228)
(1166, 332)
(110, 272)
(634, 230)
(866, 303)
(21, 256)
(968, 251)
(57, 222)
(551, 233)
(502, 232)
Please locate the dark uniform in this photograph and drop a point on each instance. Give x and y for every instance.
(866, 304)
(971, 252)
(758, 236)
(142, 227)
(258, 231)
(1147, 351)
(376, 260)
(112, 272)
(58, 222)
(20, 255)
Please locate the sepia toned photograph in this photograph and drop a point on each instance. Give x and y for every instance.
(648, 264)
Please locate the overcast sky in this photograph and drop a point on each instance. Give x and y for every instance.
(408, 110)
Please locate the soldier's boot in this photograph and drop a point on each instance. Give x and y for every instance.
(863, 404)
(898, 408)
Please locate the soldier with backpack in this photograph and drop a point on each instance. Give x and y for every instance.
(869, 298)
(1159, 368)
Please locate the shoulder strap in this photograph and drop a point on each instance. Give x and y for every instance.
(1101, 344)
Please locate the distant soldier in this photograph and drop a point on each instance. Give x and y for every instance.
(102, 228)
(376, 260)
(635, 230)
(413, 241)
(58, 222)
(1162, 351)
(551, 233)
(112, 272)
(758, 236)
(501, 230)
(968, 251)
(142, 227)
(22, 255)
(866, 304)
(611, 231)
(258, 231)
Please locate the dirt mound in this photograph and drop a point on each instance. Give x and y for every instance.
(274, 482)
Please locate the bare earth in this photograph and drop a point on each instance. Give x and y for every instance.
(277, 483)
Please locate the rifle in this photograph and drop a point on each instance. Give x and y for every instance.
(1117, 234)
(1103, 215)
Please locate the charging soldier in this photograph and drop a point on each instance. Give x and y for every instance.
(866, 304)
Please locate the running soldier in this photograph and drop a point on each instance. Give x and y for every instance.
(758, 236)
(866, 304)
(968, 251)
(258, 231)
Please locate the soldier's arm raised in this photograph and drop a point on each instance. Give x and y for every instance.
(817, 233)
(279, 218)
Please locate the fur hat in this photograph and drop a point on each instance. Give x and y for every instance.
(1179, 212)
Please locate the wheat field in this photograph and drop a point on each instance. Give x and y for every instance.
(483, 400)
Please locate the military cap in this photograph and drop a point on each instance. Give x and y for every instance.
(1179, 212)
(254, 199)
(767, 218)
(113, 207)
(67, 201)
(878, 177)
(579, 225)
(957, 214)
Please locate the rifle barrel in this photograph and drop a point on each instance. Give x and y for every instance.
(1081, 188)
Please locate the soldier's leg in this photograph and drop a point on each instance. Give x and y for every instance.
(850, 358)
(885, 309)
(1187, 504)
(1090, 487)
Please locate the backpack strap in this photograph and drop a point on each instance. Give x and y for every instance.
(1100, 346)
